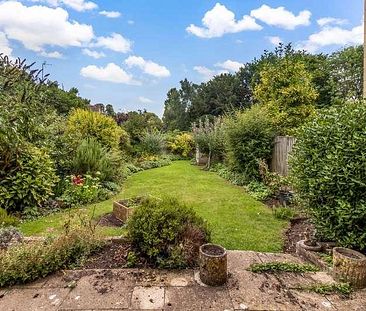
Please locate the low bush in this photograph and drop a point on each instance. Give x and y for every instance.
(249, 140)
(284, 213)
(167, 232)
(27, 262)
(27, 181)
(91, 158)
(224, 172)
(328, 172)
(258, 190)
(7, 220)
(150, 162)
(81, 190)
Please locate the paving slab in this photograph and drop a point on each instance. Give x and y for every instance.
(252, 291)
(150, 277)
(148, 298)
(198, 298)
(312, 301)
(98, 291)
(33, 299)
(239, 260)
(279, 257)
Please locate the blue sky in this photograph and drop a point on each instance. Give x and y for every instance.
(130, 53)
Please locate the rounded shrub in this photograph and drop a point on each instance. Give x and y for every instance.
(167, 232)
(88, 124)
(28, 180)
(328, 169)
(249, 140)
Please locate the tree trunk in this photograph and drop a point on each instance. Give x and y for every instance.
(349, 266)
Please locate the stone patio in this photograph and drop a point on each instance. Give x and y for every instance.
(134, 289)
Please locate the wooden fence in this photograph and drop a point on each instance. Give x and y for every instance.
(282, 147)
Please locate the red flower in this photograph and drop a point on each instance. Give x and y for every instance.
(77, 180)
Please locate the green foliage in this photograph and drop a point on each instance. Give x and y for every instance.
(92, 158)
(347, 73)
(284, 213)
(149, 162)
(132, 260)
(273, 267)
(328, 172)
(7, 220)
(167, 232)
(138, 123)
(81, 190)
(175, 111)
(8, 236)
(249, 139)
(88, 124)
(63, 101)
(343, 289)
(152, 143)
(224, 172)
(28, 180)
(27, 262)
(182, 144)
(258, 190)
(287, 91)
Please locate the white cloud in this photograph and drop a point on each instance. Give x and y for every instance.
(333, 36)
(5, 45)
(111, 73)
(145, 100)
(230, 65)
(115, 42)
(110, 14)
(38, 26)
(275, 40)
(130, 22)
(54, 54)
(148, 67)
(205, 72)
(220, 21)
(281, 17)
(93, 54)
(331, 21)
(78, 5)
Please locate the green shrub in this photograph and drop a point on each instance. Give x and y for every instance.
(284, 213)
(182, 144)
(167, 232)
(27, 262)
(249, 139)
(147, 163)
(88, 124)
(9, 235)
(28, 180)
(328, 172)
(92, 158)
(7, 220)
(258, 190)
(224, 172)
(152, 143)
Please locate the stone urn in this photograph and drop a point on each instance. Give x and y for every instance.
(213, 264)
(349, 266)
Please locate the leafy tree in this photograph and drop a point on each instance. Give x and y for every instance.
(62, 101)
(174, 112)
(109, 111)
(347, 73)
(138, 122)
(287, 91)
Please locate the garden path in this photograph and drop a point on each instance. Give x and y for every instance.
(136, 289)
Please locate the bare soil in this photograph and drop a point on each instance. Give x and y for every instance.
(109, 220)
(297, 231)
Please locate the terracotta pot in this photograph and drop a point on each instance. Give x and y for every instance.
(213, 264)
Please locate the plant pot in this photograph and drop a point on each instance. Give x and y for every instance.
(213, 264)
(313, 248)
(123, 209)
(349, 266)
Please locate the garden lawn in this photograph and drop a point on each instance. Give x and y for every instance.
(237, 221)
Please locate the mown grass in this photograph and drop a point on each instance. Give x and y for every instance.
(237, 220)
